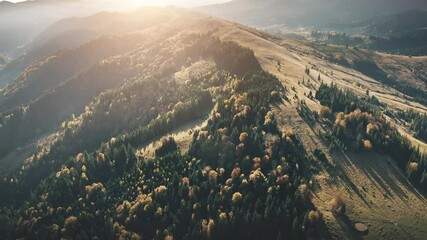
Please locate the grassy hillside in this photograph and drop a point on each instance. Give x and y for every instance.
(403, 73)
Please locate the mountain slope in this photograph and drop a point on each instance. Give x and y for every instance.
(142, 109)
(71, 33)
(46, 74)
(289, 63)
(69, 96)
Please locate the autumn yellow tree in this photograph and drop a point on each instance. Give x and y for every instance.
(325, 112)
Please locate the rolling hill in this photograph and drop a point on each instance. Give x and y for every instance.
(168, 124)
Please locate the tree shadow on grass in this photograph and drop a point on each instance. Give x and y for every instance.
(385, 175)
(339, 175)
(348, 224)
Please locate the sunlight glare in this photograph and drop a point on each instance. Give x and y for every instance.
(178, 3)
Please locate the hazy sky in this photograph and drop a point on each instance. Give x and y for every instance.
(185, 3)
(182, 3)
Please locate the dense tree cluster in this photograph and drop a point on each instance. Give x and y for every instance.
(156, 60)
(339, 100)
(417, 122)
(241, 178)
(360, 125)
(135, 105)
(130, 107)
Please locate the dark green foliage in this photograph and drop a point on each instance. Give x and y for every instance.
(114, 112)
(168, 146)
(343, 100)
(131, 107)
(320, 155)
(72, 95)
(228, 56)
(364, 122)
(417, 121)
(239, 180)
(190, 196)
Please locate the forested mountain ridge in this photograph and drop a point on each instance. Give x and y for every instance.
(46, 74)
(283, 153)
(73, 32)
(24, 20)
(150, 102)
(62, 99)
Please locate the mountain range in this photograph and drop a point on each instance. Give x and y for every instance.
(21, 22)
(390, 26)
(308, 13)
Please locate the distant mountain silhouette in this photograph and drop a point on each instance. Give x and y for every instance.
(301, 13)
(396, 25)
(21, 22)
